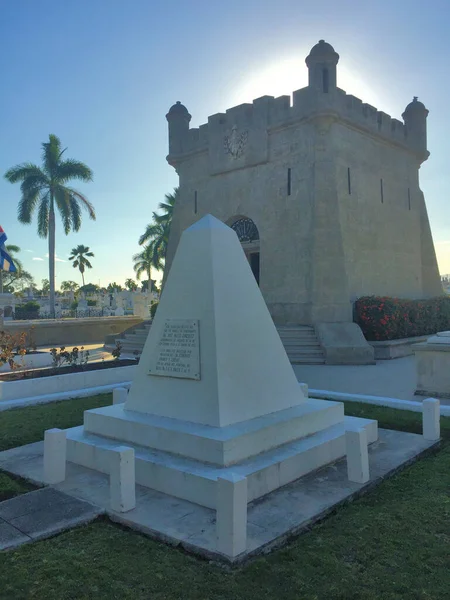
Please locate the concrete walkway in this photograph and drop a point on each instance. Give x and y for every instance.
(40, 514)
(43, 358)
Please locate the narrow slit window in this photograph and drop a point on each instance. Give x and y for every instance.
(381, 190)
(325, 80)
(349, 182)
(289, 182)
(195, 202)
(409, 199)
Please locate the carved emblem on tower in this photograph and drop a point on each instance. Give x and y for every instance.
(235, 143)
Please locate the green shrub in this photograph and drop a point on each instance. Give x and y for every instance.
(29, 310)
(92, 302)
(153, 308)
(382, 318)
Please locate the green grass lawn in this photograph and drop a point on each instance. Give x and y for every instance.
(26, 425)
(393, 543)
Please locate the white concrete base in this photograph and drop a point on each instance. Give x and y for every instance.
(217, 445)
(231, 517)
(122, 479)
(431, 419)
(119, 395)
(271, 521)
(432, 366)
(54, 456)
(357, 455)
(196, 481)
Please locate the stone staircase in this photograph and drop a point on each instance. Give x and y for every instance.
(132, 340)
(301, 345)
(300, 342)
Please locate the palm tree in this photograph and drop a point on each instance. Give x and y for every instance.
(78, 256)
(45, 189)
(167, 207)
(69, 286)
(131, 285)
(145, 260)
(157, 232)
(12, 250)
(45, 287)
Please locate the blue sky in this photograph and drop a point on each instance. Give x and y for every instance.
(101, 74)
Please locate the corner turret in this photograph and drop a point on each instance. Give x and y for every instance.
(321, 63)
(415, 118)
(178, 118)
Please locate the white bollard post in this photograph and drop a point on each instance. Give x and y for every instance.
(119, 395)
(122, 481)
(54, 456)
(357, 455)
(231, 516)
(431, 426)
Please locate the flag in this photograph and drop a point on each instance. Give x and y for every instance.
(6, 263)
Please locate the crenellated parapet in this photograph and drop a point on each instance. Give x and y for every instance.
(250, 124)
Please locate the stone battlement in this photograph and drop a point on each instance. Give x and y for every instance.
(279, 112)
(321, 97)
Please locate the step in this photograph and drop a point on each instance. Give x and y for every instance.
(196, 481)
(135, 337)
(295, 331)
(309, 336)
(132, 345)
(295, 327)
(291, 343)
(305, 351)
(306, 360)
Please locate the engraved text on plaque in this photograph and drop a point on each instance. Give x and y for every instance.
(178, 351)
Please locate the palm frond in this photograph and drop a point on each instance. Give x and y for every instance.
(51, 155)
(139, 269)
(27, 204)
(23, 171)
(43, 216)
(62, 199)
(152, 230)
(78, 196)
(75, 213)
(74, 169)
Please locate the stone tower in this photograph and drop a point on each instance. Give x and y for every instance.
(323, 193)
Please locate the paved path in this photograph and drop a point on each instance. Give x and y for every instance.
(43, 358)
(40, 514)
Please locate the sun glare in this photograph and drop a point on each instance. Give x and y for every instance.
(284, 76)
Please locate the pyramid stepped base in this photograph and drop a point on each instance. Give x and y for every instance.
(196, 481)
(221, 446)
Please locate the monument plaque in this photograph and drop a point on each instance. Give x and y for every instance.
(178, 351)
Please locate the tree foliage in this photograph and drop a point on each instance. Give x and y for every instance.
(45, 190)
(131, 285)
(80, 259)
(156, 234)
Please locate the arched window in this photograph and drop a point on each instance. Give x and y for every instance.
(246, 230)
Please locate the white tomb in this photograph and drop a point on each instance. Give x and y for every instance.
(215, 397)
